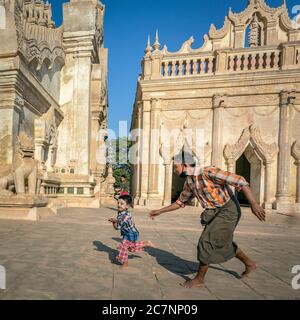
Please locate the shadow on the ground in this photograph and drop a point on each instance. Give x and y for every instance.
(173, 263)
(112, 253)
(169, 261)
(231, 272)
(111, 208)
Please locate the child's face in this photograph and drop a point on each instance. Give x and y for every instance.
(122, 205)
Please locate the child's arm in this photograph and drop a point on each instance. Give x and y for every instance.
(114, 223)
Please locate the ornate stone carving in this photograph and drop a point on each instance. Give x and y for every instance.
(287, 98)
(219, 101)
(23, 169)
(221, 33)
(255, 6)
(36, 34)
(255, 34)
(296, 150)
(251, 135)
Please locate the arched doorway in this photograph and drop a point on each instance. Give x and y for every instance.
(243, 168)
(177, 185)
(250, 166)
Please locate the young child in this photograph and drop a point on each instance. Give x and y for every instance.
(129, 232)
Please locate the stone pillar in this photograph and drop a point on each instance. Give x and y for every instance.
(153, 197)
(222, 61)
(81, 45)
(239, 37)
(231, 165)
(283, 201)
(168, 183)
(272, 33)
(296, 155)
(138, 166)
(219, 103)
(267, 191)
(144, 167)
(156, 59)
(298, 186)
(289, 55)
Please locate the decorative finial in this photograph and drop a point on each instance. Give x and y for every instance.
(156, 45)
(148, 48)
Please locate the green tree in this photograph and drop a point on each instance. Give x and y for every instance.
(118, 157)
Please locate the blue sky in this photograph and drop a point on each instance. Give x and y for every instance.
(126, 28)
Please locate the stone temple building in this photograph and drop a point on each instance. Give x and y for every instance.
(53, 102)
(242, 88)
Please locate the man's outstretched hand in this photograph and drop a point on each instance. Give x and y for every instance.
(258, 211)
(153, 214)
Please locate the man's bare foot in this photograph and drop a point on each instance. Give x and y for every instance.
(194, 283)
(150, 244)
(250, 268)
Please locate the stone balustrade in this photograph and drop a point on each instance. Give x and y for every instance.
(225, 61)
(254, 60)
(203, 65)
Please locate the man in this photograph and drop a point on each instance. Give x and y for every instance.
(213, 189)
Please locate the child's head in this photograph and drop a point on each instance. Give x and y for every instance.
(124, 202)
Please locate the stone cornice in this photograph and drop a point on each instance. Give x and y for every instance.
(226, 80)
(81, 44)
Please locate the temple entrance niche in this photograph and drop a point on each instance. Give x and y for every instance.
(177, 185)
(260, 156)
(250, 166)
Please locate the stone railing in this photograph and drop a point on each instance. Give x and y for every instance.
(255, 60)
(202, 65)
(159, 65)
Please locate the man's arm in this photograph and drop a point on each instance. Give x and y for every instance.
(185, 196)
(257, 210)
(174, 206)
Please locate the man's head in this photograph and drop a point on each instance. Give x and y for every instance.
(122, 178)
(182, 162)
(124, 202)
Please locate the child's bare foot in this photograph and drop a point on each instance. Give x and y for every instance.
(124, 266)
(196, 282)
(150, 244)
(249, 268)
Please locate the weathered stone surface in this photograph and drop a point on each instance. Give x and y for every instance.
(72, 256)
(53, 90)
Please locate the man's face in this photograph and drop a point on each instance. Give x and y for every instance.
(122, 179)
(178, 169)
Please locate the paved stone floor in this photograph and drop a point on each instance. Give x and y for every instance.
(71, 256)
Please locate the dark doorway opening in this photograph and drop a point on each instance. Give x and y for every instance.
(243, 168)
(177, 186)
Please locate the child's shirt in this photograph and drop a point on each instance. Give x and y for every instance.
(126, 226)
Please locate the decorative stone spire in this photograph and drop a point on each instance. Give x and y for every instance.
(148, 48)
(156, 45)
(254, 35)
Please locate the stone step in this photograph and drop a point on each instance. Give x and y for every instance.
(29, 214)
